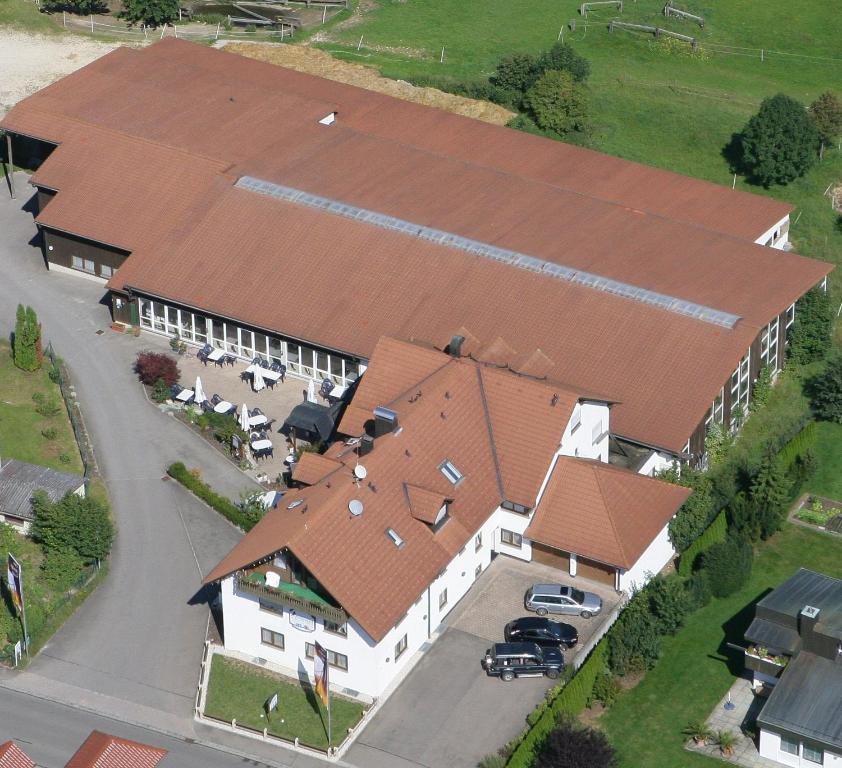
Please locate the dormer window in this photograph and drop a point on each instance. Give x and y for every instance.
(449, 470)
(441, 518)
(328, 119)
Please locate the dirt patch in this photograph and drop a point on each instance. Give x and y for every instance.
(31, 62)
(316, 62)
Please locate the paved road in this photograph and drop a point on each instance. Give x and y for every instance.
(138, 638)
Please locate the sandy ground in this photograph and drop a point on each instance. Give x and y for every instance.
(29, 62)
(317, 62)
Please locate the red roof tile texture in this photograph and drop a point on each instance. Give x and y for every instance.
(103, 751)
(311, 468)
(12, 756)
(603, 512)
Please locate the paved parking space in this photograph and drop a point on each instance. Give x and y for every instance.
(497, 598)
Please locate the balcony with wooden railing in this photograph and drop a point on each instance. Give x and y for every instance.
(290, 595)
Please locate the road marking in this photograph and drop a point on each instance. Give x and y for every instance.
(189, 540)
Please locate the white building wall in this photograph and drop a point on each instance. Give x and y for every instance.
(770, 747)
(656, 462)
(654, 557)
(588, 421)
(779, 234)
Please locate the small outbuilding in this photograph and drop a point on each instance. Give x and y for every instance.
(18, 482)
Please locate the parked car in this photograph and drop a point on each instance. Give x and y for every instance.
(556, 598)
(510, 660)
(542, 631)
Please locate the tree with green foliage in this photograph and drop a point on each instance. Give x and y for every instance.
(61, 568)
(826, 112)
(634, 642)
(517, 73)
(82, 524)
(557, 103)
(779, 143)
(150, 13)
(761, 390)
(727, 565)
(572, 745)
(160, 391)
(562, 57)
(809, 335)
(27, 340)
(825, 391)
(668, 601)
(769, 494)
(695, 514)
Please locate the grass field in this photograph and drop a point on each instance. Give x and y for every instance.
(696, 669)
(24, 15)
(238, 690)
(22, 427)
(649, 101)
(828, 478)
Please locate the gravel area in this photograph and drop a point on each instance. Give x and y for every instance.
(29, 62)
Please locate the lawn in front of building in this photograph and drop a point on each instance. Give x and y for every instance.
(26, 434)
(828, 478)
(239, 690)
(696, 668)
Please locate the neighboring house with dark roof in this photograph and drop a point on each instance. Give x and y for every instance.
(458, 461)
(399, 219)
(796, 647)
(19, 481)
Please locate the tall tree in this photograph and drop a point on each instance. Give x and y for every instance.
(150, 13)
(563, 58)
(557, 103)
(825, 391)
(27, 339)
(826, 112)
(570, 745)
(779, 143)
(809, 335)
(770, 490)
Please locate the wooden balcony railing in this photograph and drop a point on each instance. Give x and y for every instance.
(336, 615)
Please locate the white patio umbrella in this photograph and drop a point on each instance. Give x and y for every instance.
(198, 392)
(244, 418)
(257, 381)
(311, 391)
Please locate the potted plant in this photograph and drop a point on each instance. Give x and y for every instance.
(699, 731)
(726, 740)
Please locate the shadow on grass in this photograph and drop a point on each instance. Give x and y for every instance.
(734, 630)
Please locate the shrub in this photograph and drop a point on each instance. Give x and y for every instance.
(220, 503)
(48, 408)
(762, 389)
(779, 143)
(516, 73)
(634, 642)
(37, 397)
(606, 688)
(50, 433)
(61, 568)
(826, 113)
(714, 533)
(251, 507)
(557, 103)
(563, 58)
(64, 458)
(570, 745)
(698, 589)
(727, 565)
(224, 426)
(54, 374)
(825, 391)
(149, 12)
(809, 335)
(160, 391)
(695, 514)
(81, 524)
(759, 513)
(668, 602)
(26, 346)
(151, 366)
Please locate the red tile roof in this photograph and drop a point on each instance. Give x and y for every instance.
(603, 512)
(312, 468)
(103, 751)
(12, 756)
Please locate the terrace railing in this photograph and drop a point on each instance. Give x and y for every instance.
(335, 615)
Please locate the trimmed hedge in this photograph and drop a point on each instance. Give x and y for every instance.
(804, 441)
(571, 700)
(713, 534)
(220, 503)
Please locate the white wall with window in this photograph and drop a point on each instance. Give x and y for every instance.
(776, 236)
(196, 328)
(740, 389)
(793, 751)
(769, 343)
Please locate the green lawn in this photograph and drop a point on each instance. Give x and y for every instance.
(696, 669)
(648, 102)
(24, 14)
(828, 478)
(22, 427)
(239, 690)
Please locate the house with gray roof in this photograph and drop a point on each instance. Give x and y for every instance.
(795, 647)
(19, 481)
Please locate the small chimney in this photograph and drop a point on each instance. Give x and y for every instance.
(806, 622)
(454, 349)
(366, 446)
(385, 421)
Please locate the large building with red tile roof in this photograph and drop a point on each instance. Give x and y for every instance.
(469, 460)
(266, 211)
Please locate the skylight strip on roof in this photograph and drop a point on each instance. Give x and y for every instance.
(512, 258)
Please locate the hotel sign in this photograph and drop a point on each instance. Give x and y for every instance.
(302, 621)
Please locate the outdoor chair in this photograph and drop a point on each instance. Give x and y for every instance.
(276, 367)
(245, 376)
(270, 383)
(203, 357)
(206, 349)
(268, 425)
(229, 360)
(207, 406)
(175, 390)
(215, 399)
(256, 412)
(326, 388)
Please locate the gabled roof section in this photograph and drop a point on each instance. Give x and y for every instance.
(424, 505)
(312, 468)
(603, 512)
(19, 481)
(103, 751)
(12, 756)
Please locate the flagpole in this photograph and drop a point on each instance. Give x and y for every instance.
(329, 725)
(23, 616)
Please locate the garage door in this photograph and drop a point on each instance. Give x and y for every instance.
(590, 569)
(552, 557)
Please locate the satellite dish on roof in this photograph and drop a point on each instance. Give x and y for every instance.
(355, 507)
(360, 472)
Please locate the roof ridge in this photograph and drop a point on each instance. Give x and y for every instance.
(602, 493)
(490, 428)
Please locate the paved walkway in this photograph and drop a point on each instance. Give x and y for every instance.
(132, 650)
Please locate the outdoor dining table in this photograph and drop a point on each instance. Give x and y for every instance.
(337, 391)
(265, 372)
(216, 354)
(185, 395)
(223, 406)
(261, 445)
(256, 421)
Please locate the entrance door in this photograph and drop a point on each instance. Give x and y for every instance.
(590, 569)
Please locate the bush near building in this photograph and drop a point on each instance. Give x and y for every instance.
(825, 390)
(153, 366)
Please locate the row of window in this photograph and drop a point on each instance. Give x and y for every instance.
(769, 345)
(511, 538)
(245, 343)
(89, 266)
(793, 747)
(329, 626)
(276, 640)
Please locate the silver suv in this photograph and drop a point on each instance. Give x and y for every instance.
(555, 598)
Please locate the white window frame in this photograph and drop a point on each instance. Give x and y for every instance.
(740, 387)
(401, 646)
(451, 472)
(272, 634)
(790, 746)
(515, 538)
(808, 758)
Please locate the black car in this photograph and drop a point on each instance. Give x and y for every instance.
(541, 630)
(510, 660)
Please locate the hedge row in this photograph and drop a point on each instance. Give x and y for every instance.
(713, 534)
(571, 700)
(221, 504)
(799, 445)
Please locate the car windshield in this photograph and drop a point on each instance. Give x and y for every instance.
(578, 596)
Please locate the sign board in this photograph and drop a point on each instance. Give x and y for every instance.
(18, 652)
(303, 622)
(272, 703)
(14, 575)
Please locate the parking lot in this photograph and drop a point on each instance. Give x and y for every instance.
(448, 713)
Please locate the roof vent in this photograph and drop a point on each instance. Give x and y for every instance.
(809, 612)
(454, 349)
(396, 539)
(355, 507)
(294, 504)
(328, 119)
(385, 421)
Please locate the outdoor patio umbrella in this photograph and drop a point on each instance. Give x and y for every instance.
(257, 382)
(198, 392)
(311, 391)
(244, 418)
